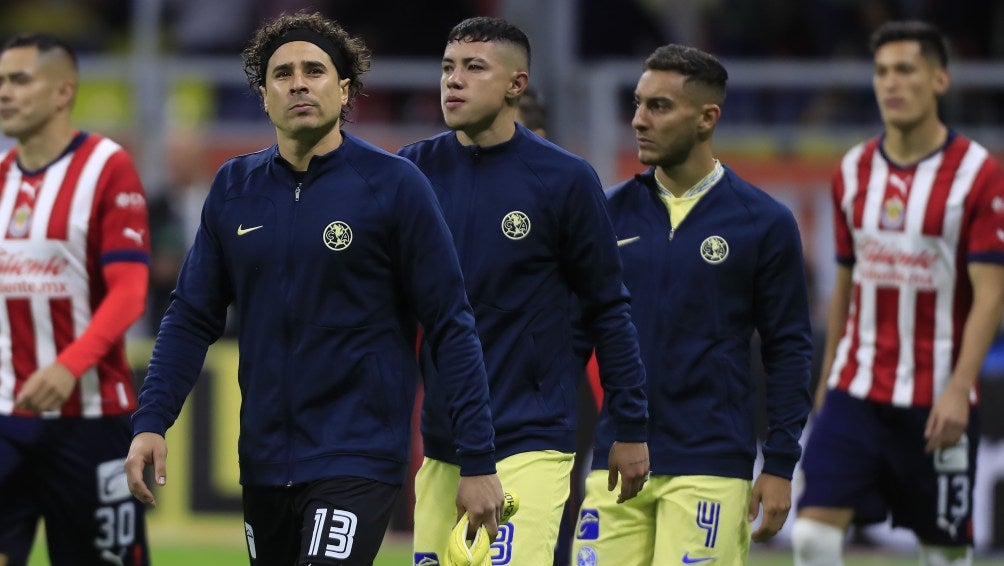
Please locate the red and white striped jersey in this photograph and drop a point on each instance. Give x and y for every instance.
(909, 233)
(58, 227)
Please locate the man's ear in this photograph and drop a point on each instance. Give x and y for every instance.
(517, 84)
(65, 92)
(710, 113)
(942, 80)
(344, 86)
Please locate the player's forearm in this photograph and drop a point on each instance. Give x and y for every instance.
(981, 324)
(178, 355)
(457, 354)
(434, 285)
(121, 307)
(622, 376)
(836, 321)
(788, 407)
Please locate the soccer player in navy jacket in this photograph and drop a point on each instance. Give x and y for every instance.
(709, 259)
(329, 249)
(531, 231)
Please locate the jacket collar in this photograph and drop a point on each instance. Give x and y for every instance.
(318, 164)
(499, 148)
(647, 178)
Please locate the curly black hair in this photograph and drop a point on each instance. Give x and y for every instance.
(357, 55)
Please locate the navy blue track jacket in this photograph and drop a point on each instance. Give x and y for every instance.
(531, 230)
(328, 278)
(731, 267)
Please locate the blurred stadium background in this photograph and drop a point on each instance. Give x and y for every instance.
(164, 77)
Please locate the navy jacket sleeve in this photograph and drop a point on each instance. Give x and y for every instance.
(592, 264)
(782, 319)
(430, 272)
(194, 320)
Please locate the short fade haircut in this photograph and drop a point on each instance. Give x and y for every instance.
(485, 29)
(357, 55)
(933, 44)
(44, 43)
(694, 64)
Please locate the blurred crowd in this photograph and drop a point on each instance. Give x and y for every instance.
(782, 28)
(732, 29)
(729, 28)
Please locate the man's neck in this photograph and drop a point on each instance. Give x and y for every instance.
(298, 151)
(501, 130)
(910, 145)
(43, 147)
(679, 178)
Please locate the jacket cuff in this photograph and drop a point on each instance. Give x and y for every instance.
(477, 464)
(779, 466)
(632, 432)
(148, 422)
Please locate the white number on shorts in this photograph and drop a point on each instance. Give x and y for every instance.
(339, 535)
(116, 525)
(501, 549)
(953, 501)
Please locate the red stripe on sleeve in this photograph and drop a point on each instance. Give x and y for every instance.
(984, 223)
(120, 210)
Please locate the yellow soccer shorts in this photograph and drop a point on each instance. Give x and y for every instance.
(674, 520)
(540, 478)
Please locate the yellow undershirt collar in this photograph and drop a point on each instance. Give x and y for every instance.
(704, 184)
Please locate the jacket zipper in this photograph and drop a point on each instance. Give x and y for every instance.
(290, 329)
(469, 217)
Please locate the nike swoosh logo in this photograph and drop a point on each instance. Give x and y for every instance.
(241, 230)
(626, 241)
(688, 560)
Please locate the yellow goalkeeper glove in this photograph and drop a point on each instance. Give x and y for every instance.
(461, 552)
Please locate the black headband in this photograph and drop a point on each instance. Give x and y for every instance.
(310, 36)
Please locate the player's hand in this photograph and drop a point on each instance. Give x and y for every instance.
(46, 389)
(772, 494)
(146, 448)
(948, 419)
(630, 460)
(481, 497)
